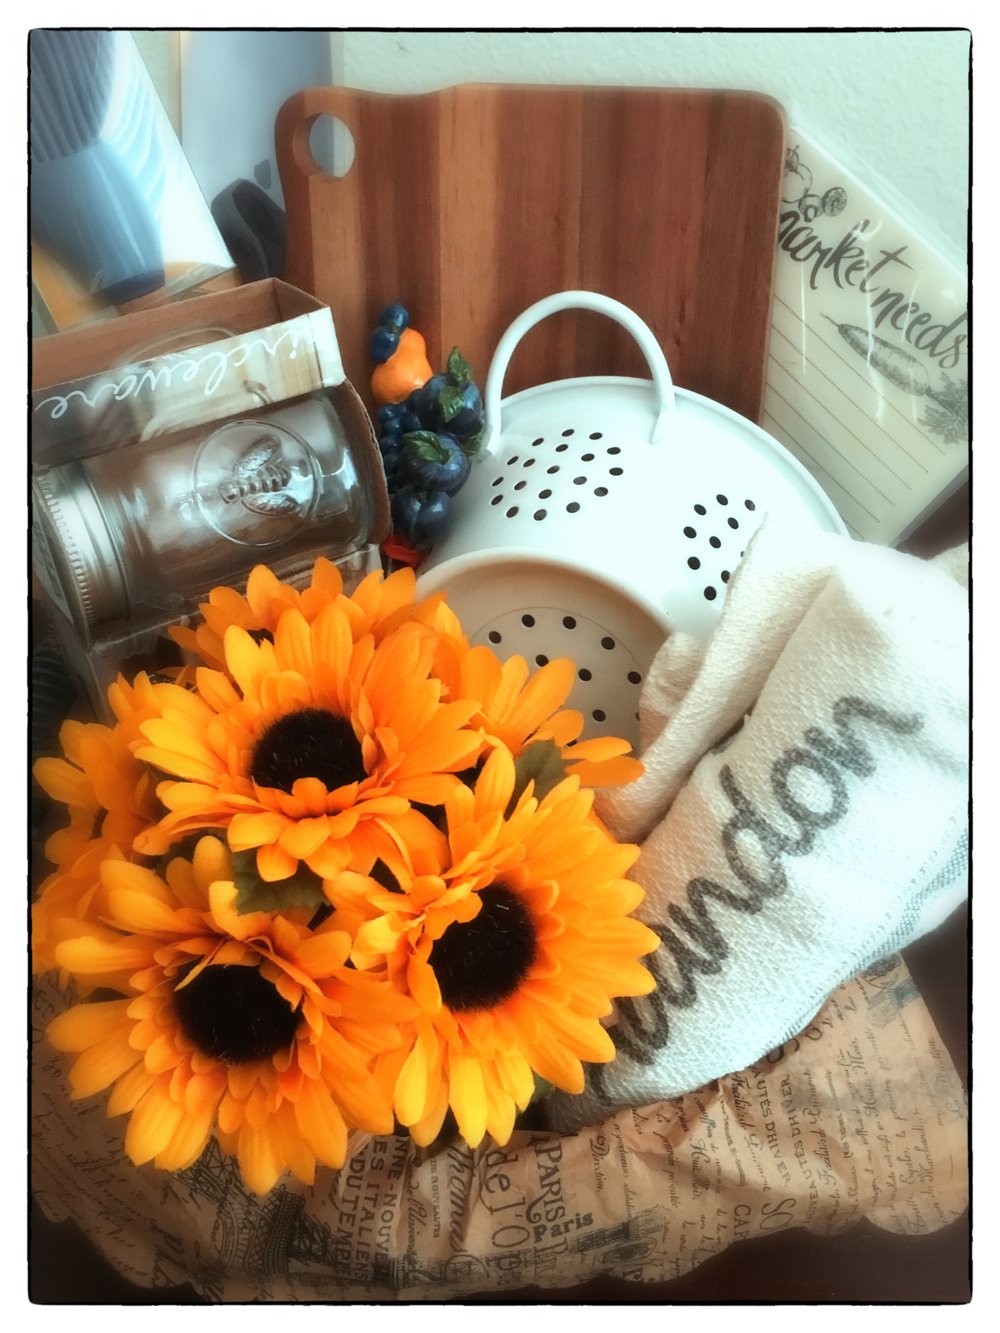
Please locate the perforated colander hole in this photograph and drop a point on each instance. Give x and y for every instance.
(723, 501)
(536, 443)
(608, 643)
(690, 532)
(587, 458)
(512, 460)
(538, 515)
(569, 622)
(600, 490)
(579, 481)
(561, 448)
(613, 449)
(710, 594)
(634, 678)
(520, 485)
(541, 660)
(596, 435)
(568, 431)
(599, 715)
(714, 542)
(544, 495)
(528, 621)
(572, 507)
(497, 499)
(585, 674)
(529, 462)
(495, 636)
(497, 481)
(694, 562)
(616, 471)
(512, 511)
(725, 576)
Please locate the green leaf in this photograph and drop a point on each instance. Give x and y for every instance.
(253, 894)
(425, 444)
(472, 444)
(450, 402)
(541, 763)
(459, 370)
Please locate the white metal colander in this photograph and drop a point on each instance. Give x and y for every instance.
(604, 513)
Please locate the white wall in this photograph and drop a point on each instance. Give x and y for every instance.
(894, 105)
(233, 83)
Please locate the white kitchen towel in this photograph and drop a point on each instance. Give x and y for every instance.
(804, 809)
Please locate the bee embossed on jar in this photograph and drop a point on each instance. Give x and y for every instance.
(259, 479)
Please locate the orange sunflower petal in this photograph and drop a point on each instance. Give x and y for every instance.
(152, 1124)
(410, 1096)
(187, 1142)
(256, 1152)
(323, 954)
(86, 1024)
(101, 1064)
(545, 691)
(467, 1095)
(321, 1123)
(607, 772)
(103, 954)
(501, 1111)
(143, 915)
(130, 1088)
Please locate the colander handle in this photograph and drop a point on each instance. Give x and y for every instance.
(603, 305)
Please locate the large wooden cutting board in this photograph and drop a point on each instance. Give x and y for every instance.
(469, 204)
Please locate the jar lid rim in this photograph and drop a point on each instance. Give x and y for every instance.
(84, 549)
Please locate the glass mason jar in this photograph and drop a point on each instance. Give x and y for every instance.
(141, 534)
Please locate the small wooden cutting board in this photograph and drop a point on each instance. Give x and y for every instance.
(470, 204)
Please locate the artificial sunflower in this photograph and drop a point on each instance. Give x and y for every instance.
(521, 708)
(511, 930)
(518, 707)
(249, 1024)
(377, 606)
(311, 747)
(110, 798)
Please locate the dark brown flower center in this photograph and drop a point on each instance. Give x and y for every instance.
(235, 1015)
(311, 743)
(480, 962)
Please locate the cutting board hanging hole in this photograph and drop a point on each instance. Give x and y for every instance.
(331, 145)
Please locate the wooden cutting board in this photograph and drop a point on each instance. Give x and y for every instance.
(469, 204)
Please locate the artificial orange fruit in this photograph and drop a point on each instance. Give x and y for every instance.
(407, 369)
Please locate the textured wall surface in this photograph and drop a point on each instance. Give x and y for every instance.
(894, 105)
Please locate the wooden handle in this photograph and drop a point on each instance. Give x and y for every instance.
(310, 191)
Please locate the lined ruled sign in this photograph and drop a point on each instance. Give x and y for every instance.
(867, 381)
